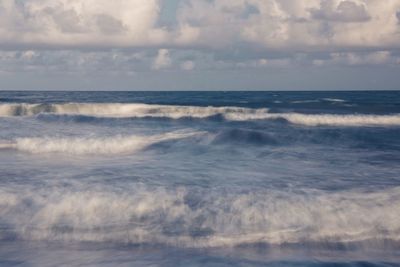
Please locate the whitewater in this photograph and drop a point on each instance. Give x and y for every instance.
(200, 178)
(117, 110)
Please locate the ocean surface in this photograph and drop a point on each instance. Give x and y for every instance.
(200, 179)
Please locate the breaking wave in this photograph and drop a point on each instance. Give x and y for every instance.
(339, 120)
(334, 100)
(116, 110)
(95, 145)
(141, 215)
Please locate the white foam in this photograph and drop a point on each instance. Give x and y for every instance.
(93, 145)
(115, 110)
(334, 100)
(305, 101)
(340, 120)
(24, 109)
(143, 215)
(328, 119)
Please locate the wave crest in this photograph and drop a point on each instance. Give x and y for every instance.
(341, 120)
(97, 145)
(115, 110)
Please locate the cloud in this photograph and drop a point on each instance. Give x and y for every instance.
(162, 60)
(398, 16)
(345, 11)
(67, 61)
(379, 58)
(127, 37)
(291, 25)
(262, 24)
(78, 23)
(187, 65)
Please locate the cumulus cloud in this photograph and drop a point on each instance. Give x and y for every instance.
(378, 58)
(162, 60)
(126, 36)
(187, 65)
(291, 24)
(78, 23)
(269, 24)
(73, 61)
(345, 11)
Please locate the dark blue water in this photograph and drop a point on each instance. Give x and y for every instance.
(199, 178)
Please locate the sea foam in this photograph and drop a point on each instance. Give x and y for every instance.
(117, 110)
(178, 217)
(92, 145)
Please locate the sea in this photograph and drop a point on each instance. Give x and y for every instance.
(286, 179)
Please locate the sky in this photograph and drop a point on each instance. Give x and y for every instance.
(200, 45)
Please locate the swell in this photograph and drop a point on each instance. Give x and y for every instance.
(141, 215)
(92, 145)
(116, 110)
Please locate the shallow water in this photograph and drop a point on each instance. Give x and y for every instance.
(199, 178)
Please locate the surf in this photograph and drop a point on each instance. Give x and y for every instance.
(182, 218)
(93, 145)
(118, 110)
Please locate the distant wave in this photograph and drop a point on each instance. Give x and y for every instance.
(115, 110)
(318, 100)
(339, 120)
(334, 100)
(305, 101)
(92, 145)
(141, 215)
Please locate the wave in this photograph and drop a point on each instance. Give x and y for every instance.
(318, 100)
(339, 120)
(179, 217)
(117, 110)
(305, 101)
(114, 110)
(334, 100)
(93, 145)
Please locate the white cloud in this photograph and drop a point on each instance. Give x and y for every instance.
(358, 59)
(162, 60)
(187, 65)
(68, 61)
(269, 24)
(344, 11)
(293, 24)
(84, 35)
(80, 22)
(28, 54)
